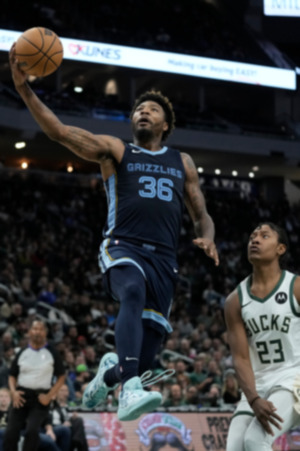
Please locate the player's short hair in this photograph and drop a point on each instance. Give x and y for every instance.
(282, 239)
(166, 105)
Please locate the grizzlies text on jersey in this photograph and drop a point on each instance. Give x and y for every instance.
(145, 197)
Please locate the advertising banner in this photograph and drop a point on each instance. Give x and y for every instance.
(176, 63)
(164, 431)
(290, 8)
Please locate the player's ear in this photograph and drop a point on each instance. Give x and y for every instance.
(165, 126)
(281, 249)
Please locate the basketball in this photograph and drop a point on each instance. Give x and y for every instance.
(39, 51)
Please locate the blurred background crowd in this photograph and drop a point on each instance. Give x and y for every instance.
(50, 231)
(205, 30)
(51, 220)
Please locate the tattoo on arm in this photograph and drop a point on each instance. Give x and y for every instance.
(84, 144)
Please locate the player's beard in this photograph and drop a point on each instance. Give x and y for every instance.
(143, 134)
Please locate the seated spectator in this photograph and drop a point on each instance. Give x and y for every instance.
(214, 373)
(212, 398)
(26, 296)
(214, 376)
(205, 316)
(181, 374)
(202, 331)
(5, 364)
(82, 376)
(191, 396)
(5, 400)
(230, 392)
(6, 341)
(184, 325)
(206, 345)
(186, 349)
(17, 312)
(199, 374)
(175, 397)
(91, 358)
(69, 361)
(219, 355)
(47, 294)
(72, 334)
(57, 437)
(19, 329)
(211, 296)
(111, 313)
(68, 429)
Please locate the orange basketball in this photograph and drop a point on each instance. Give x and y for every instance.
(39, 51)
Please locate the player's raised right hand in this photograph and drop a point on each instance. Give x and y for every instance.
(19, 77)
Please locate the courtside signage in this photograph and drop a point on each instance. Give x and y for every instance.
(195, 66)
(289, 8)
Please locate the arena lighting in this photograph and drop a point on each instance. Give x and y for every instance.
(251, 175)
(200, 170)
(20, 145)
(31, 78)
(78, 89)
(255, 168)
(70, 168)
(234, 173)
(24, 165)
(217, 171)
(169, 62)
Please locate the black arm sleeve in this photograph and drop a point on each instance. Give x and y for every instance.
(59, 368)
(14, 368)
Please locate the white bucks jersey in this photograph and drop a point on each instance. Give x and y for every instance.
(273, 328)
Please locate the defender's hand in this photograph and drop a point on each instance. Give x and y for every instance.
(265, 413)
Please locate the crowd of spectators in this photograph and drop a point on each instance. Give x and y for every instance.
(206, 28)
(50, 231)
(196, 27)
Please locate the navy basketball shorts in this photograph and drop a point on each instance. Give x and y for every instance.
(160, 272)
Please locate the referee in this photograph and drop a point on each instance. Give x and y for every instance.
(30, 382)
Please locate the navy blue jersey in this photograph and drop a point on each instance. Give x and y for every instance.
(145, 197)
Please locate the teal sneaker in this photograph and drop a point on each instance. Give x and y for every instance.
(134, 400)
(97, 390)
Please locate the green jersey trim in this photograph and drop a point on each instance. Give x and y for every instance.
(243, 412)
(292, 297)
(240, 294)
(256, 298)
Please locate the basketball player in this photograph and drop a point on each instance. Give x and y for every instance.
(146, 185)
(263, 325)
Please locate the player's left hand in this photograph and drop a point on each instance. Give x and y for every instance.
(44, 399)
(265, 412)
(209, 248)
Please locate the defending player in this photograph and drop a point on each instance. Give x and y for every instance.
(146, 186)
(263, 326)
